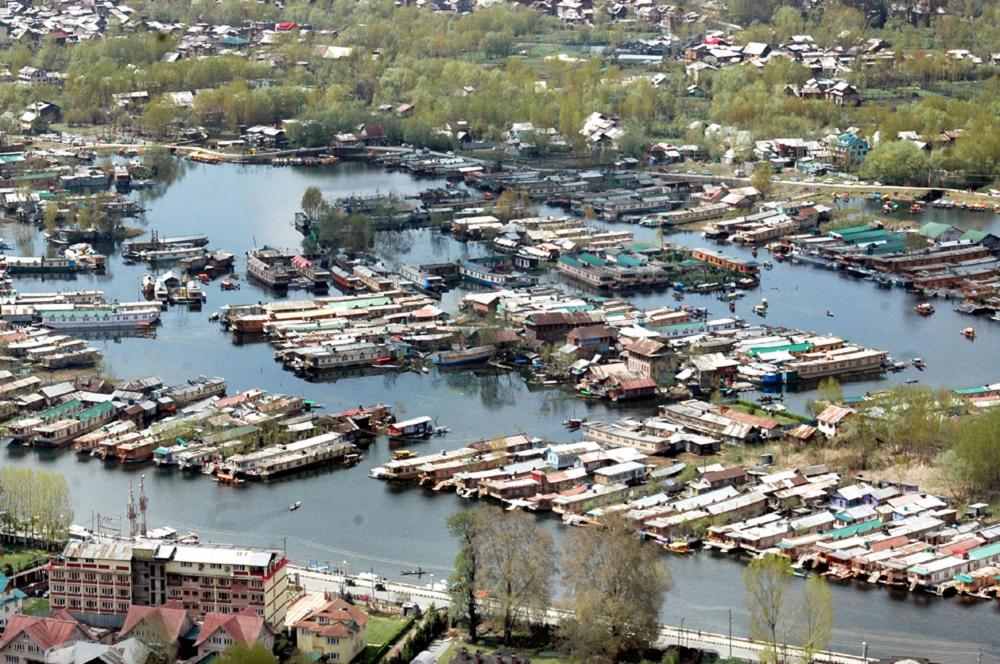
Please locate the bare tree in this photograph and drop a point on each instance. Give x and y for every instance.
(518, 561)
(616, 586)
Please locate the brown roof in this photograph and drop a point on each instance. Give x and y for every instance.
(725, 474)
(335, 618)
(564, 318)
(245, 626)
(802, 432)
(592, 332)
(171, 619)
(646, 347)
(740, 416)
(637, 383)
(833, 414)
(59, 628)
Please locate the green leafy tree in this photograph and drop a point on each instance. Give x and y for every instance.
(768, 582)
(463, 526)
(312, 202)
(760, 177)
(897, 163)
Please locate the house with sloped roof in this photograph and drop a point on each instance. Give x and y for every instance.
(28, 638)
(832, 419)
(220, 630)
(11, 600)
(160, 627)
(129, 651)
(336, 630)
(936, 231)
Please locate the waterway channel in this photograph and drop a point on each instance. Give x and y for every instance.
(346, 516)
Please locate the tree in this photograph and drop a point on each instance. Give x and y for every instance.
(35, 503)
(511, 204)
(828, 392)
(976, 453)
(158, 116)
(241, 653)
(896, 162)
(760, 178)
(767, 581)
(312, 202)
(464, 527)
(616, 586)
(816, 614)
(517, 563)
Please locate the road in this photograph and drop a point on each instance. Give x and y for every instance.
(669, 635)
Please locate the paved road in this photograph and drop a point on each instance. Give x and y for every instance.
(669, 635)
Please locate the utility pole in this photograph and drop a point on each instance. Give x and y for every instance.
(730, 633)
(864, 652)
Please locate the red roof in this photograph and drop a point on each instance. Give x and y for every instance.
(245, 626)
(637, 384)
(285, 26)
(171, 619)
(46, 633)
(336, 618)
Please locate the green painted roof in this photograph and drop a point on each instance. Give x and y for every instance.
(95, 411)
(985, 551)
(569, 260)
(974, 235)
(791, 348)
(629, 261)
(62, 410)
(852, 230)
(592, 260)
(968, 391)
(358, 304)
(934, 229)
(855, 529)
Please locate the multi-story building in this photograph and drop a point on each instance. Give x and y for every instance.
(102, 579)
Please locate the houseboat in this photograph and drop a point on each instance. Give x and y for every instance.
(116, 317)
(418, 427)
(170, 255)
(271, 267)
(465, 356)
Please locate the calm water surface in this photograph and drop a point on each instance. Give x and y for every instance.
(347, 517)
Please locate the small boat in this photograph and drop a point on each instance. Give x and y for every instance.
(402, 455)
(228, 478)
(829, 314)
(969, 333)
(294, 506)
(995, 317)
(230, 284)
(680, 547)
(441, 431)
(918, 363)
(573, 423)
(924, 308)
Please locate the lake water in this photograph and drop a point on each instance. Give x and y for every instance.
(346, 516)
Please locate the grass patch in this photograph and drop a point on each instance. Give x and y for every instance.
(783, 418)
(381, 629)
(36, 606)
(487, 648)
(383, 634)
(20, 559)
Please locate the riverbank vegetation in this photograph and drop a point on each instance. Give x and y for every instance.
(506, 64)
(34, 506)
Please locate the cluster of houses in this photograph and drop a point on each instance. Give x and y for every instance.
(142, 599)
(614, 350)
(882, 533)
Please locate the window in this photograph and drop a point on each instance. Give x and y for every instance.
(332, 640)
